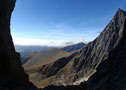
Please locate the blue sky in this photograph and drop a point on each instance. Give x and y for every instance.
(61, 20)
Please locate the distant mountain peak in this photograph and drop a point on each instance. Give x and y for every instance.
(74, 47)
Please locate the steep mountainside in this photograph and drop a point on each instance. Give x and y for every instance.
(34, 65)
(111, 73)
(73, 47)
(81, 64)
(11, 72)
(25, 50)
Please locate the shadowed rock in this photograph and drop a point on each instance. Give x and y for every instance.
(11, 72)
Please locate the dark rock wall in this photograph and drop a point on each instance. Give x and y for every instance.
(11, 71)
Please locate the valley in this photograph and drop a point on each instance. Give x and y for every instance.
(98, 65)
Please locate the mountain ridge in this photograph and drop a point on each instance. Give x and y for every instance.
(110, 70)
(83, 63)
(111, 73)
(107, 57)
(32, 53)
(73, 47)
(99, 48)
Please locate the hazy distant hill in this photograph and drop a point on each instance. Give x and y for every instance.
(73, 47)
(25, 50)
(28, 52)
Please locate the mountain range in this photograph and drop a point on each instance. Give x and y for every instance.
(80, 65)
(110, 73)
(100, 65)
(34, 61)
(73, 47)
(27, 49)
(28, 52)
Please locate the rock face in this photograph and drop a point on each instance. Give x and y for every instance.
(111, 73)
(11, 72)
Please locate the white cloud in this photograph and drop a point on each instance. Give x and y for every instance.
(52, 43)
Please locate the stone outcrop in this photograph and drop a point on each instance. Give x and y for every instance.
(11, 72)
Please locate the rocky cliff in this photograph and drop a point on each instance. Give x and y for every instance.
(111, 74)
(11, 72)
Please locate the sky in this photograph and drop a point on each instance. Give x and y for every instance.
(61, 22)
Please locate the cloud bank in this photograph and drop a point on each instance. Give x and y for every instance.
(49, 43)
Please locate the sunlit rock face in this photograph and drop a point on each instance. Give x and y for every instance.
(11, 72)
(111, 74)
